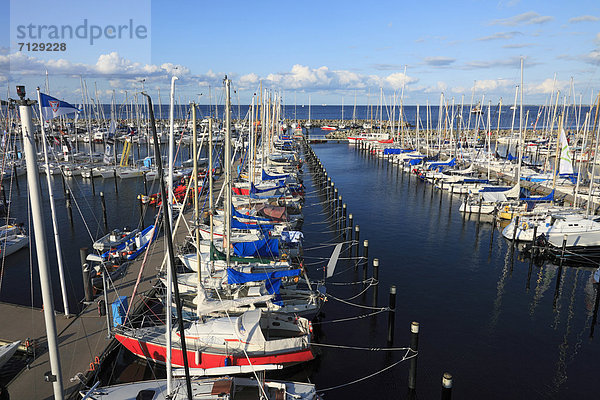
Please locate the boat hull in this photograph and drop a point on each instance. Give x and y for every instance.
(206, 360)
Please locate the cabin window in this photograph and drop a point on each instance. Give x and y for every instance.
(145, 395)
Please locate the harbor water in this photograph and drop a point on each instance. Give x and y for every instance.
(502, 327)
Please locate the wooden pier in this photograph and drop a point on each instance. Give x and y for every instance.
(83, 339)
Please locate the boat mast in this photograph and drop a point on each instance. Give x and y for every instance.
(589, 201)
(521, 136)
(210, 189)
(228, 189)
(196, 208)
(171, 150)
(59, 258)
(168, 221)
(172, 269)
(37, 215)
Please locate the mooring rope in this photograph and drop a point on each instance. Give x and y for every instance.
(354, 304)
(404, 358)
(351, 318)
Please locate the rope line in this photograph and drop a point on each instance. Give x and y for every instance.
(404, 358)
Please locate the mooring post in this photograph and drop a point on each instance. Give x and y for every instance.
(366, 260)
(86, 272)
(357, 239)
(145, 183)
(350, 228)
(68, 205)
(62, 178)
(515, 230)
(4, 198)
(333, 197)
(414, 346)
(93, 184)
(15, 177)
(142, 211)
(533, 242)
(344, 222)
(446, 386)
(116, 185)
(375, 280)
(334, 204)
(339, 210)
(391, 315)
(103, 202)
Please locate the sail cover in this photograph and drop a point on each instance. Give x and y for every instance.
(566, 163)
(258, 248)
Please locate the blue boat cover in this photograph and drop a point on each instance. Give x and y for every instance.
(415, 161)
(238, 214)
(253, 188)
(272, 280)
(450, 163)
(267, 177)
(495, 189)
(549, 197)
(259, 248)
(392, 151)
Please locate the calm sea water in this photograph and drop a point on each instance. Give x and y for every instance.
(19, 280)
(502, 327)
(574, 115)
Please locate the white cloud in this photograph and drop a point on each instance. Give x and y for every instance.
(546, 87)
(528, 18)
(487, 85)
(598, 39)
(439, 61)
(440, 86)
(500, 35)
(583, 18)
(322, 78)
(504, 62)
(593, 57)
(517, 45)
(107, 65)
(248, 81)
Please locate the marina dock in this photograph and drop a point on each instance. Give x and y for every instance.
(83, 339)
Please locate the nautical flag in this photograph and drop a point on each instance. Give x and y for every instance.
(52, 108)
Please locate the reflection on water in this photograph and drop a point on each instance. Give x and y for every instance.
(479, 303)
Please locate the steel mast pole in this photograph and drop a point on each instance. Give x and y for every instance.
(37, 215)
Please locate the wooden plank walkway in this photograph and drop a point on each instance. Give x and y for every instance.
(82, 339)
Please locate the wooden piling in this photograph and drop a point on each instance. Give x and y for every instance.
(391, 315)
(446, 386)
(357, 239)
(375, 280)
(366, 259)
(86, 273)
(103, 202)
(414, 346)
(68, 205)
(116, 185)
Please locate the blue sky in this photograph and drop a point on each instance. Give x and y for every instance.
(325, 49)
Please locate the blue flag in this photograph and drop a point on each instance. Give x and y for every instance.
(52, 108)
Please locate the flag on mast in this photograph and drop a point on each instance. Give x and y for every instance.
(52, 107)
